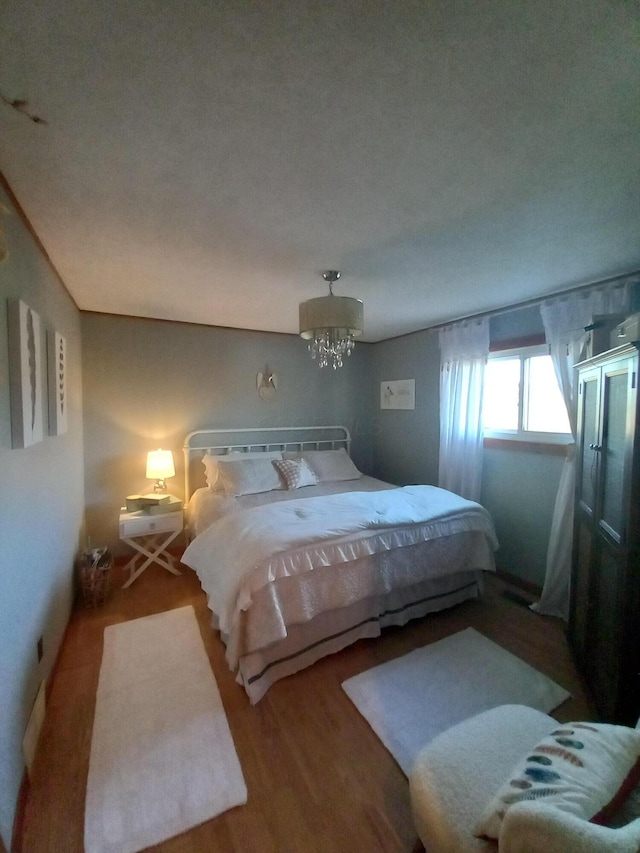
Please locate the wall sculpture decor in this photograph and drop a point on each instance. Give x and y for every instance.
(267, 384)
(57, 382)
(4, 249)
(25, 374)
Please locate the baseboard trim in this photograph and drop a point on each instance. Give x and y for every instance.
(20, 815)
(525, 586)
(17, 835)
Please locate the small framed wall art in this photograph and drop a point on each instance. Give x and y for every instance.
(398, 394)
(57, 382)
(25, 374)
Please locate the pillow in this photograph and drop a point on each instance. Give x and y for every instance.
(296, 473)
(247, 476)
(586, 769)
(210, 462)
(330, 465)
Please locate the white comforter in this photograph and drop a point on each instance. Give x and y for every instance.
(242, 552)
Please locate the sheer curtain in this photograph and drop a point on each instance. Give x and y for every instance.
(464, 348)
(564, 319)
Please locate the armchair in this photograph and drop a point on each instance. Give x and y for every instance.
(458, 772)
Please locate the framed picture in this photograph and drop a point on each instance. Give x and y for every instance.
(398, 394)
(25, 374)
(57, 382)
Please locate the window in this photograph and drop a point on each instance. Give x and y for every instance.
(522, 399)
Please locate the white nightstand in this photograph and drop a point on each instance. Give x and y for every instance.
(149, 536)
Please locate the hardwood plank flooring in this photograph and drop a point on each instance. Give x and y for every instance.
(318, 778)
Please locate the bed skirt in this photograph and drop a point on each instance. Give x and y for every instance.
(332, 631)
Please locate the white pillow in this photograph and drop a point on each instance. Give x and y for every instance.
(296, 473)
(210, 462)
(248, 476)
(586, 769)
(331, 465)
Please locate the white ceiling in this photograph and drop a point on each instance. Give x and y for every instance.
(204, 161)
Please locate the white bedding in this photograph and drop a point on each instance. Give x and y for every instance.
(282, 607)
(242, 552)
(207, 506)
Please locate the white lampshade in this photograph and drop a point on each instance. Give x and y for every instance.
(340, 314)
(160, 465)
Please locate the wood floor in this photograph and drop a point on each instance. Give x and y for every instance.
(318, 778)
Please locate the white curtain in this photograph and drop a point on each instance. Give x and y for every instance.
(464, 348)
(565, 319)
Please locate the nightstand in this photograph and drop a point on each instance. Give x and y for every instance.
(149, 536)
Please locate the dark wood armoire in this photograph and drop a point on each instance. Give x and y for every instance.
(604, 623)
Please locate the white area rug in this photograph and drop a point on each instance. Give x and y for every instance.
(410, 700)
(162, 757)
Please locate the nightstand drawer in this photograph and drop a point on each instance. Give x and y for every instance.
(143, 525)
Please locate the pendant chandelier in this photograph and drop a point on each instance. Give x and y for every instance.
(330, 323)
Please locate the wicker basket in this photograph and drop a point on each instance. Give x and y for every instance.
(95, 575)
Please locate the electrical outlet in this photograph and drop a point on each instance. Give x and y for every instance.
(40, 648)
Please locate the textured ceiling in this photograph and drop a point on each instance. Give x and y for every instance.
(205, 161)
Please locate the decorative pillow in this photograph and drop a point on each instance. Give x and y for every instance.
(296, 473)
(331, 465)
(248, 476)
(586, 769)
(210, 462)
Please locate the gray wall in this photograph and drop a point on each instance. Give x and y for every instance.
(519, 488)
(41, 511)
(149, 382)
(406, 441)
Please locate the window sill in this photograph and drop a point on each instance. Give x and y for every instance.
(527, 446)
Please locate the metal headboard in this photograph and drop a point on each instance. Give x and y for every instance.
(246, 439)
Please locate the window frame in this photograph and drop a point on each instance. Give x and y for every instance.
(521, 435)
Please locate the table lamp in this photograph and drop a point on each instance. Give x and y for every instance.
(159, 467)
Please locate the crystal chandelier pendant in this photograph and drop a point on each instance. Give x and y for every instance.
(327, 352)
(330, 324)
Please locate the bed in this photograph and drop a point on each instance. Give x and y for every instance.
(300, 554)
